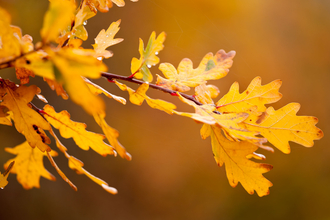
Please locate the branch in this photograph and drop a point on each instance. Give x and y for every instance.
(111, 77)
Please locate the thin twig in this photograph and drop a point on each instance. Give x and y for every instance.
(111, 76)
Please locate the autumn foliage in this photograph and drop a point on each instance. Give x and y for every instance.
(238, 124)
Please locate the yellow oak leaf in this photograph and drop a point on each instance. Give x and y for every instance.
(137, 97)
(238, 167)
(283, 125)
(9, 44)
(4, 176)
(232, 123)
(27, 121)
(148, 57)
(84, 13)
(106, 39)
(37, 63)
(112, 136)
(254, 95)
(29, 165)
(70, 129)
(96, 89)
(210, 68)
(74, 63)
(77, 165)
(57, 18)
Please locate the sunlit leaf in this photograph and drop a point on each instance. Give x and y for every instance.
(283, 125)
(210, 68)
(27, 121)
(106, 39)
(29, 165)
(148, 57)
(70, 129)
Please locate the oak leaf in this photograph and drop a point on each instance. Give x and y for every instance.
(254, 95)
(112, 136)
(283, 125)
(148, 57)
(27, 121)
(70, 129)
(29, 165)
(9, 44)
(106, 39)
(238, 168)
(210, 68)
(74, 63)
(77, 165)
(58, 17)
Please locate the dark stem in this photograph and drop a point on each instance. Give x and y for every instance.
(111, 77)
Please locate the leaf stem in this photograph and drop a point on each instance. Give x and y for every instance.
(111, 77)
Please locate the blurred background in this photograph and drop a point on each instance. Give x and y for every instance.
(173, 174)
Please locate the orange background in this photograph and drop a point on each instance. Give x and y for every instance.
(173, 174)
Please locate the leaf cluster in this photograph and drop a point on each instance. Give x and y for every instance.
(238, 123)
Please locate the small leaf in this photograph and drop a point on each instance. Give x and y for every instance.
(148, 58)
(106, 39)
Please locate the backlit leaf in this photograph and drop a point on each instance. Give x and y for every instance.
(4, 176)
(148, 57)
(283, 125)
(210, 68)
(106, 39)
(254, 95)
(57, 18)
(70, 129)
(27, 121)
(238, 167)
(29, 165)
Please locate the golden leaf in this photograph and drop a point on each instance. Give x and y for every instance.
(148, 57)
(9, 44)
(27, 121)
(254, 95)
(106, 39)
(283, 125)
(70, 129)
(57, 18)
(238, 167)
(29, 165)
(210, 68)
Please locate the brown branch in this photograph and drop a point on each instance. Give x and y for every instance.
(111, 76)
